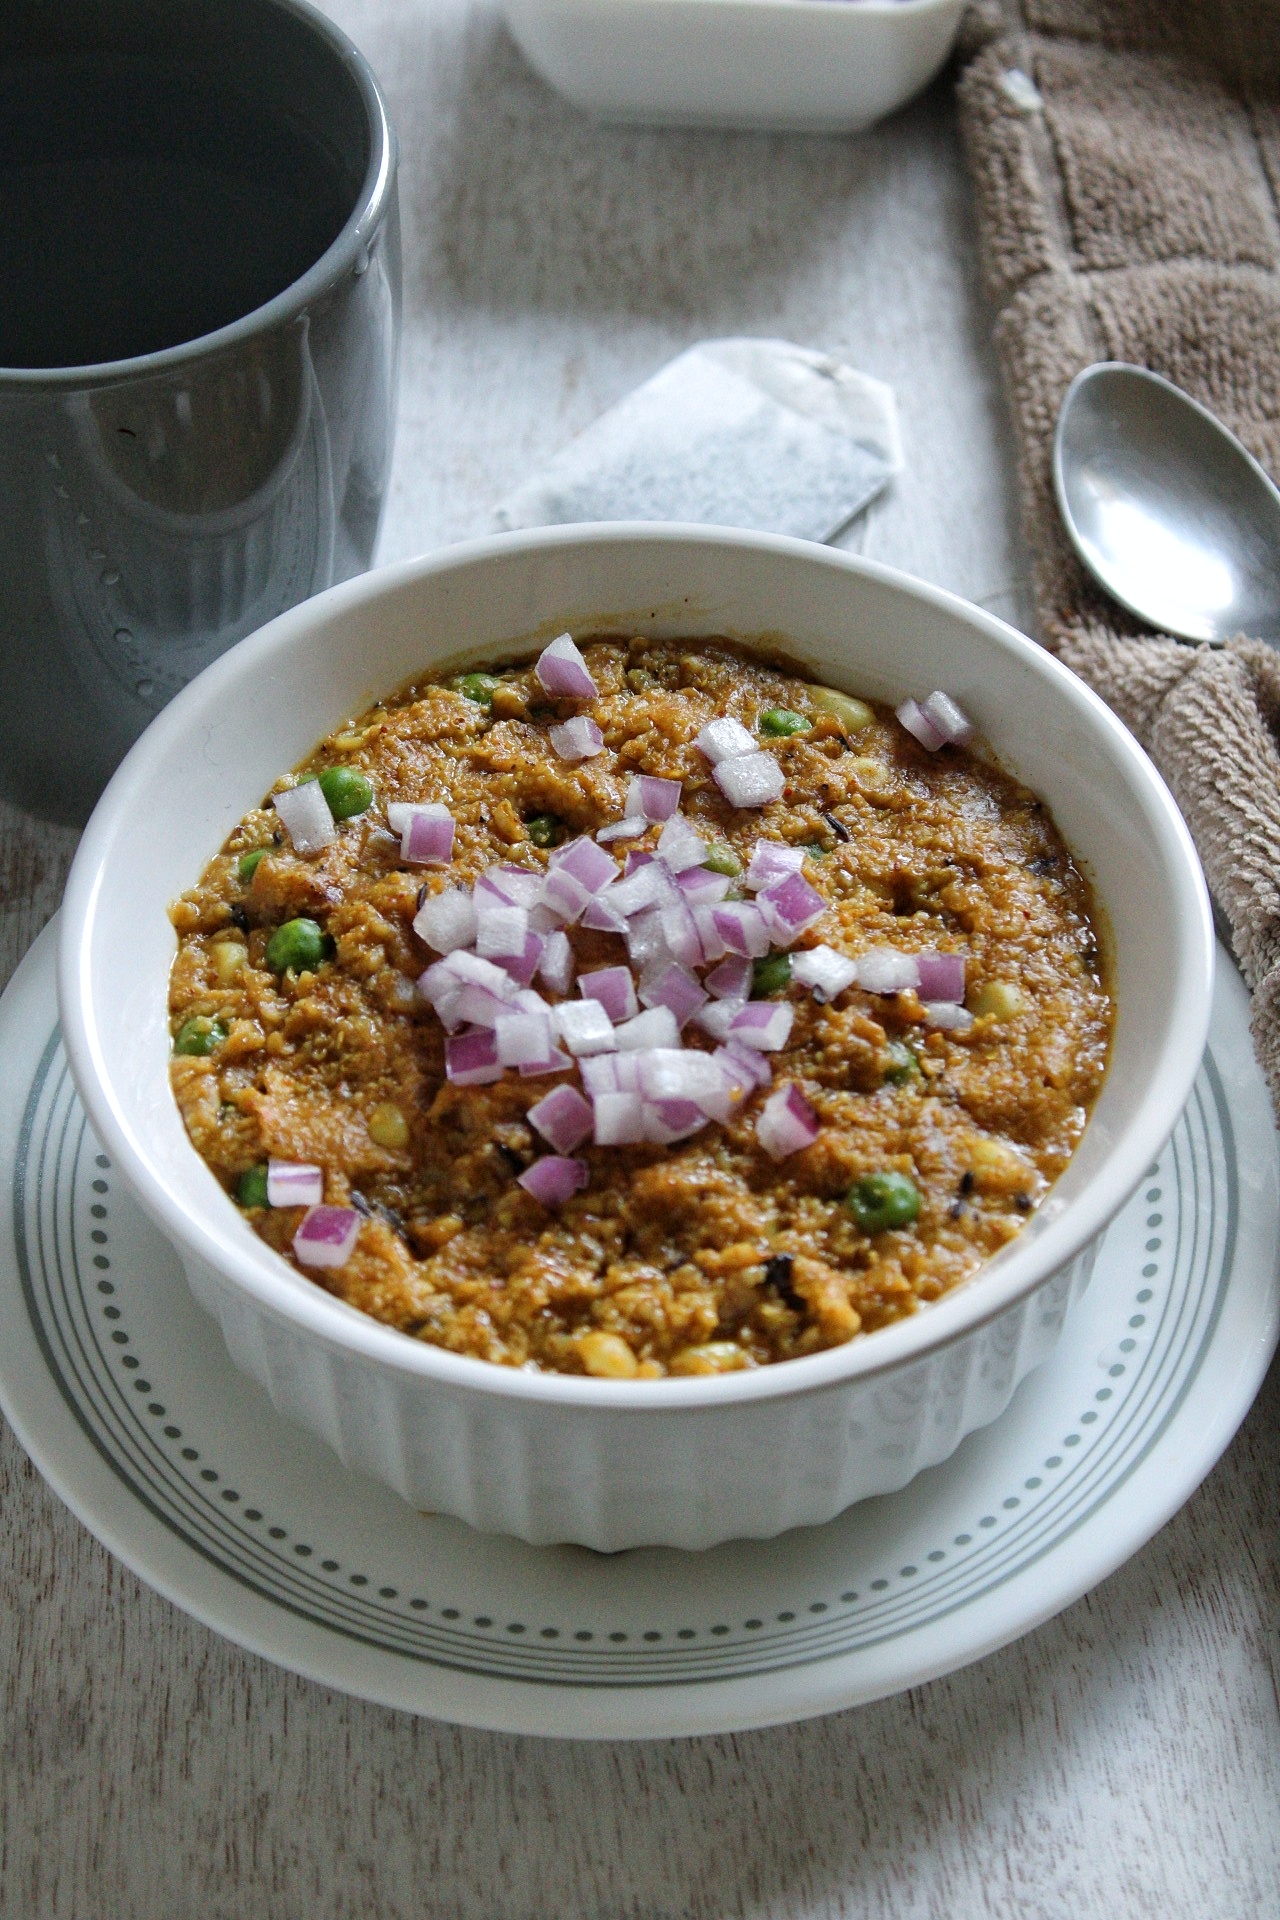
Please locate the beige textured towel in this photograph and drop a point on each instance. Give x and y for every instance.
(1129, 209)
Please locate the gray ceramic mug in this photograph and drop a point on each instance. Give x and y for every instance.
(199, 327)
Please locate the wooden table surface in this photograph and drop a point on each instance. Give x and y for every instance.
(1124, 1760)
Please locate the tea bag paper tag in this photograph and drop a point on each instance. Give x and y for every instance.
(732, 433)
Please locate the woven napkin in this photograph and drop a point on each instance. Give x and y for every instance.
(1125, 158)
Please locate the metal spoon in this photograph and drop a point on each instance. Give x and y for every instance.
(1165, 507)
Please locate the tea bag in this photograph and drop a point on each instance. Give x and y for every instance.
(732, 433)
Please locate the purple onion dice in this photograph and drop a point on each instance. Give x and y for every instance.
(656, 1027)
(585, 1027)
(554, 1179)
(770, 861)
(789, 906)
(586, 863)
(762, 1024)
(327, 1236)
(305, 812)
(501, 931)
(471, 1059)
(557, 964)
(577, 739)
(948, 719)
(824, 971)
(947, 1016)
(741, 926)
(680, 845)
(619, 1119)
(563, 672)
(725, 740)
(614, 988)
(651, 798)
(786, 1122)
(920, 726)
(563, 1118)
(294, 1183)
(731, 980)
(675, 987)
(426, 834)
(750, 780)
(446, 921)
(884, 970)
(941, 976)
(523, 1039)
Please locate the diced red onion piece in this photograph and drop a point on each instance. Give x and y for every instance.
(614, 988)
(745, 1062)
(713, 946)
(884, 970)
(471, 1060)
(426, 839)
(725, 740)
(919, 725)
(519, 886)
(678, 1073)
(656, 1027)
(522, 966)
(947, 718)
(585, 1027)
(701, 887)
(790, 906)
(305, 812)
(479, 1006)
(680, 932)
(717, 1017)
(644, 887)
(601, 914)
(327, 1236)
(577, 739)
(629, 829)
(947, 1016)
(741, 926)
(824, 971)
(651, 798)
(471, 969)
(786, 1122)
(563, 671)
(446, 921)
(588, 865)
(501, 931)
(619, 1119)
(562, 1117)
(557, 964)
(763, 1024)
(563, 896)
(554, 1179)
(680, 845)
(666, 1121)
(556, 1062)
(941, 976)
(635, 859)
(750, 780)
(770, 861)
(611, 1073)
(646, 943)
(523, 1038)
(294, 1183)
(673, 986)
(732, 978)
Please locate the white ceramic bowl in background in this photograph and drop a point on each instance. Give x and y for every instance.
(684, 1462)
(798, 66)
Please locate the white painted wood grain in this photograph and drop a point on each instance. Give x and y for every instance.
(1122, 1761)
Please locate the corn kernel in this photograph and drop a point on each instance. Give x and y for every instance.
(608, 1356)
(388, 1126)
(715, 1356)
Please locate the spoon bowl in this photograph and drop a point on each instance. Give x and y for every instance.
(1165, 508)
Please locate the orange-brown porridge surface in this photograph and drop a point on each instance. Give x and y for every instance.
(705, 1253)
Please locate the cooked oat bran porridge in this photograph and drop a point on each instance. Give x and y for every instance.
(796, 1065)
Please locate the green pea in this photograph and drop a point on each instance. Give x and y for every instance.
(251, 1188)
(780, 722)
(901, 1064)
(297, 946)
(816, 850)
(347, 792)
(199, 1035)
(247, 865)
(479, 687)
(545, 830)
(883, 1200)
(723, 859)
(770, 974)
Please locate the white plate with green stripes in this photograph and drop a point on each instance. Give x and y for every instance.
(123, 1394)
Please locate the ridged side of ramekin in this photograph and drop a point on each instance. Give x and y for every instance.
(550, 1473)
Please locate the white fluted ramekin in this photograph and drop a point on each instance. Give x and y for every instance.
(681, 1462)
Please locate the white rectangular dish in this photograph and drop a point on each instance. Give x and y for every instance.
(800, 66)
